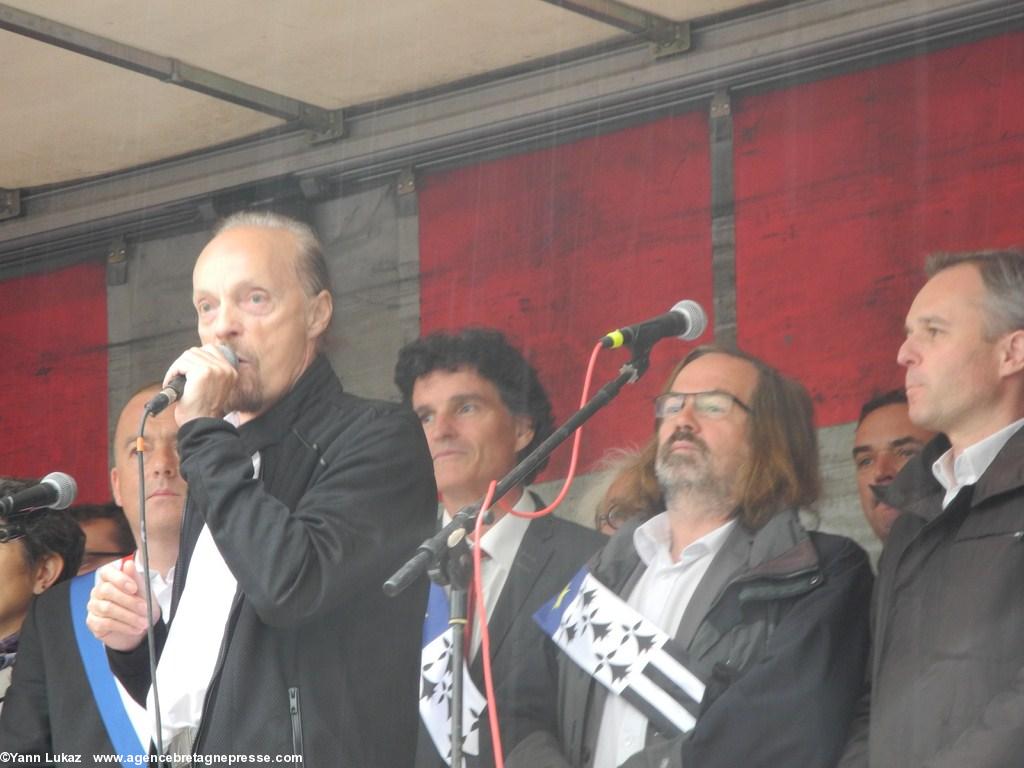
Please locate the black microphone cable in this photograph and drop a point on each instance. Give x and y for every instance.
(140, 451)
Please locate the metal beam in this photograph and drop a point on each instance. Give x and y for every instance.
(668, 36)
(723, 220)
(169, 70)
(10, 203)
(803, 40)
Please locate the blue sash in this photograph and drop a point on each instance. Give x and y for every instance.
(104, 690)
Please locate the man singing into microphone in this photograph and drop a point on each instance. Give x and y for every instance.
(302, 500)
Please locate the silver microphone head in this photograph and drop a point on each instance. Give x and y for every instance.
(697, 321)
(229, 355)
(65, 486)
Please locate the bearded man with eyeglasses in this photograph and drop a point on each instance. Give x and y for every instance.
(769, 620)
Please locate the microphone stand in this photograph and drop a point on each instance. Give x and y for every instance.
(158, 738)
(444, 555)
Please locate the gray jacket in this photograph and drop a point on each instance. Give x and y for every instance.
(948, 620)
(778, 625)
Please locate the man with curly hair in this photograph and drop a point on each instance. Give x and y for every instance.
(483, 409)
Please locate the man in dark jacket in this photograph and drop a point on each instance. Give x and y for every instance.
(726, 586)
(948, 654)
(301, 503)
(483, 409)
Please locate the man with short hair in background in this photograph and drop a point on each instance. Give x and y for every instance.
(302, 500)
(108, 536)
(947, 673)
(885, 440)
(483, 409)
(65, 700)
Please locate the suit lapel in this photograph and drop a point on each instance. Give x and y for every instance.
(531, 560)
(730, 560)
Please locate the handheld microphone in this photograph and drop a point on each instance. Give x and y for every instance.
(55, 491)
(172, 392)
(686, 321)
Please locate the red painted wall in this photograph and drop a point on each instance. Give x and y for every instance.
(53, 401)
(844, 185)
(559, 246)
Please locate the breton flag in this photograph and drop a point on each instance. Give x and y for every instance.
(625, 652)
(436, 682)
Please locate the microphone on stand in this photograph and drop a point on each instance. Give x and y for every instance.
(686, 321)
(55, 491)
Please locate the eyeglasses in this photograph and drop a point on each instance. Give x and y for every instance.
(613, 517)
(713, 404)
(10, 533)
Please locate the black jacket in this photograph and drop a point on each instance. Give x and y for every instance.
(315, 659)
(948, 623)
(778, 626)
(523, 661)
(50, 708)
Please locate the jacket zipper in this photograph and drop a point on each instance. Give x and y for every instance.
(296, 715)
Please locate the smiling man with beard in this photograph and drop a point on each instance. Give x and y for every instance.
(771, 617)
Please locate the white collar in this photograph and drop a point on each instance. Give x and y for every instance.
(501, 541)
(972, 462)
(653, 541)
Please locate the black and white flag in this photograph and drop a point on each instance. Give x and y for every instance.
(623, 651)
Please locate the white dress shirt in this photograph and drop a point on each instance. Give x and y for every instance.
(162, 586)
(972, 462)
(195, 636)
(501, 544)
(661, 594)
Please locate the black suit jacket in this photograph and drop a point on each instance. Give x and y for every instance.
(315, 660)
(523, 659)
(49, 707)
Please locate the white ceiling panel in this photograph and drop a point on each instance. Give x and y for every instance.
(67, 116)
(336, 54)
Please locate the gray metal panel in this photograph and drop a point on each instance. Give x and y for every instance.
(408, 225)
(150, 319)
(367, 249)
(723, 222)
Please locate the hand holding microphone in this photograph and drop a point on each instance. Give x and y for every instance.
(200, 381)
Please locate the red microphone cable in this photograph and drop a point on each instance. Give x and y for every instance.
(481, 608)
